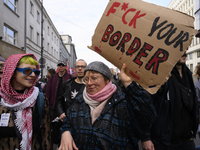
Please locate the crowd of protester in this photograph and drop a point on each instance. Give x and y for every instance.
(98, 108)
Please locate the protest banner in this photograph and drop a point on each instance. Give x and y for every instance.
(150, 39)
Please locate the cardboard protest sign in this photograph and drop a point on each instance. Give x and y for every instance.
(150, 39)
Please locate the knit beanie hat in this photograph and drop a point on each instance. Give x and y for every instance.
(99, 67)
(2, 59)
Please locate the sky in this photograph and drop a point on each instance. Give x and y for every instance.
(79, 18)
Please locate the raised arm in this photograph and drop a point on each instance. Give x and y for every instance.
(140, 106)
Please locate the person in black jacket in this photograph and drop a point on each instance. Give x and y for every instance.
(70, 89)
(178, 114)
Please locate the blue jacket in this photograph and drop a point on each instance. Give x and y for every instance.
(123, 121)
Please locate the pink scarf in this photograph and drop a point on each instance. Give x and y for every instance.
(21, 103)
(106, 92)
(97, 101)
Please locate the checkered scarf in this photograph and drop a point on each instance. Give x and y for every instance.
(19, 102)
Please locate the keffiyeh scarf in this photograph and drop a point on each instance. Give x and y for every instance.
(20, 103)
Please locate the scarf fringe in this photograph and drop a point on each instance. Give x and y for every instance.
(18, 120)
(21, 122)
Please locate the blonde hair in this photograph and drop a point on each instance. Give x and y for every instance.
(28, 60)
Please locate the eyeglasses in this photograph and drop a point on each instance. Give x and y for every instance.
(61, 65)
(80, 67)
(28, 71)
(93, 79)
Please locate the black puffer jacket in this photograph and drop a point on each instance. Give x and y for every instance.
(64, 96)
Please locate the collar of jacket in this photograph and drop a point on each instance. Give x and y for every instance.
(69, 81)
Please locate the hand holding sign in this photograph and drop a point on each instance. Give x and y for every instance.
(126, 80)
(150, 39)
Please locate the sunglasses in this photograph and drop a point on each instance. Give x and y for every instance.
(61, 65)
(28, 71)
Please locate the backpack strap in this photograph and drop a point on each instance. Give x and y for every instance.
(40, 105)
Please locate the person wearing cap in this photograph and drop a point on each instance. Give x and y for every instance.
(2, 61)
(69, 91)
(54, 85)
(24, 115)
(103, 118)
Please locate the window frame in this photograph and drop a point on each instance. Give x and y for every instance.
(38, 38)
(8, 3)
(38, 16)
(31, 8)
(6, 35)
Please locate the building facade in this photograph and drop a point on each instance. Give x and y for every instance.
(64, 53)
(190, 7)
(12, 25)
(21, 23)
(50, 39)
(67, 40)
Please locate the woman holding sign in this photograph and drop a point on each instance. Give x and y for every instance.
(105, 118)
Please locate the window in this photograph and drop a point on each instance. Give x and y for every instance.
(11, 4)
(31, 33)
(191, 56)
(198, 54)
(38, 16)
(48, 30)
(38, 38)
(47, 47)
(9, 35)
(192, 11)
(52, 36)
(31, 8)
(52, 50)
(186, 4)
(191, 67)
